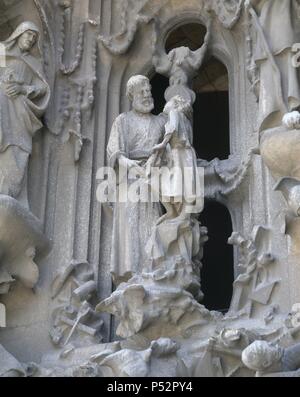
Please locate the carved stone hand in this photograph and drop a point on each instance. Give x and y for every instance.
(161, 146)
(126, 162)
(15, 89)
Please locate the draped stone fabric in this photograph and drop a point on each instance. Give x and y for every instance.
(182, 160)
(26, 69)
(279, 92)
(133, 136)
(20, 115)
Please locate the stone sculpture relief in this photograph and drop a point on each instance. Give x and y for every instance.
(120, 43)
(167, 280)
(156, 264)
(143, 13)
(275, 82)
(75, 320)
(132, 139)
(223, 177)
(140, 302)
(254, 285)
(228, 11)
(180, 65)
(24, 91)
(76, 88)
(268, 360)
(177, 151)
(273, 76)
(24, 96)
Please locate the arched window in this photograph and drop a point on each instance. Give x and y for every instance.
(190, 35)
(211, 108)
(217, 274)
(211, 112)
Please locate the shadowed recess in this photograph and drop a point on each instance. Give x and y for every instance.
(217, 274)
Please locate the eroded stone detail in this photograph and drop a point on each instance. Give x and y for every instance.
(180, 65)
(74, 319)
(133, 16)
(165, 329)
(24, 91)
(24, 97)
(254, 284)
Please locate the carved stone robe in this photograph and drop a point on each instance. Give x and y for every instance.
(183, 160)
(20, 117)
(133, 135)
(277, 19)
(18, 131)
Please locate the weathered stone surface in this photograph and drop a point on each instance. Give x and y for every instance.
(75, 96)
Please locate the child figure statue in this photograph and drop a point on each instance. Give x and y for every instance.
(180, 194)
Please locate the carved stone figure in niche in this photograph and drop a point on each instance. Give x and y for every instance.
(181, 193)
(272, 74)
(181, 66)
(133, 136)
(177, 233)
(24, 96)
(264, 358)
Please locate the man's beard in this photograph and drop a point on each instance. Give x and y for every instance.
(144, 107)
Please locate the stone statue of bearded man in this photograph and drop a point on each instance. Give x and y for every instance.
(132, 138)
(24, 96)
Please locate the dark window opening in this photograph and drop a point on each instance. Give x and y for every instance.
(190, 35)
(159, 85)
(211, 108)
(211, 112)
(217, 274)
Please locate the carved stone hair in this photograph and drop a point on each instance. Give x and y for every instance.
(133, 83)
(179, 103)
(260, 355)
